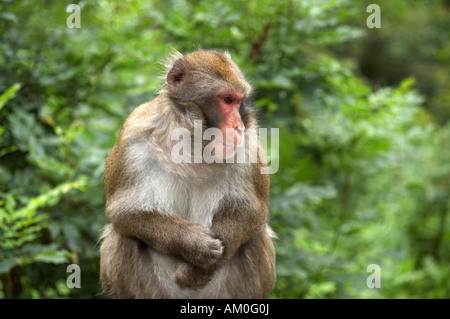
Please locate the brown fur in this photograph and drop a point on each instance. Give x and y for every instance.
(148, 253)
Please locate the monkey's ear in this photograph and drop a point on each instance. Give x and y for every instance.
(176, 74)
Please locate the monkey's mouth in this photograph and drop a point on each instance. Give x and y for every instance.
(224, 149)
(233, 145)
(226, 145)
(229, 141)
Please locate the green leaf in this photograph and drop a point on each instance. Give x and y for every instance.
(52, 256)
(72, 237)
(9, 94)
(8, 264)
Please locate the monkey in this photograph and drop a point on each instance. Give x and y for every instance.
(190, 229)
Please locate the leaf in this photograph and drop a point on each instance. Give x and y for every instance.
(9, 16)
(9, 94)
(72, 237)
(281, 81)
(54, 228)
(8, 264)
(10, 203)
(321, 290)
(52, 256)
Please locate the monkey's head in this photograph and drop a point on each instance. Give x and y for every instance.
(215, 85)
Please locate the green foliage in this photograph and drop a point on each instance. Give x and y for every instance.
(22, 225)
(364, 168)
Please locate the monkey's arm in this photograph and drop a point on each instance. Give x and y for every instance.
(236, 224)
(233, 227)
(169, 234)
(166, 233)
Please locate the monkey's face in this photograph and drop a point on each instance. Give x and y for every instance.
(227, 102)
(214, 83)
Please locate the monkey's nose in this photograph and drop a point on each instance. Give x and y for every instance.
(239, 133)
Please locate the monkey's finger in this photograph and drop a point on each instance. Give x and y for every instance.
(190, 276)
(216, 245)
(209, 232)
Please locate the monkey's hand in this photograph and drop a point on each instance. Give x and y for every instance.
(192, 277)
(199, 247)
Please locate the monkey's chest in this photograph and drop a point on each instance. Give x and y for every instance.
(194, 202)
(198, 205)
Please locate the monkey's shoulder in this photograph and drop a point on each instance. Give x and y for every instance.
(143, 119)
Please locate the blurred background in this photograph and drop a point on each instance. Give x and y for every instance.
(363, 116)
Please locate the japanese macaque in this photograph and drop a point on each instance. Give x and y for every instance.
(189, 229)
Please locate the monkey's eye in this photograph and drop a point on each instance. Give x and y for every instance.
(227, 99)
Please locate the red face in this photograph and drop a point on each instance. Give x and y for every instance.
(228, 103)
